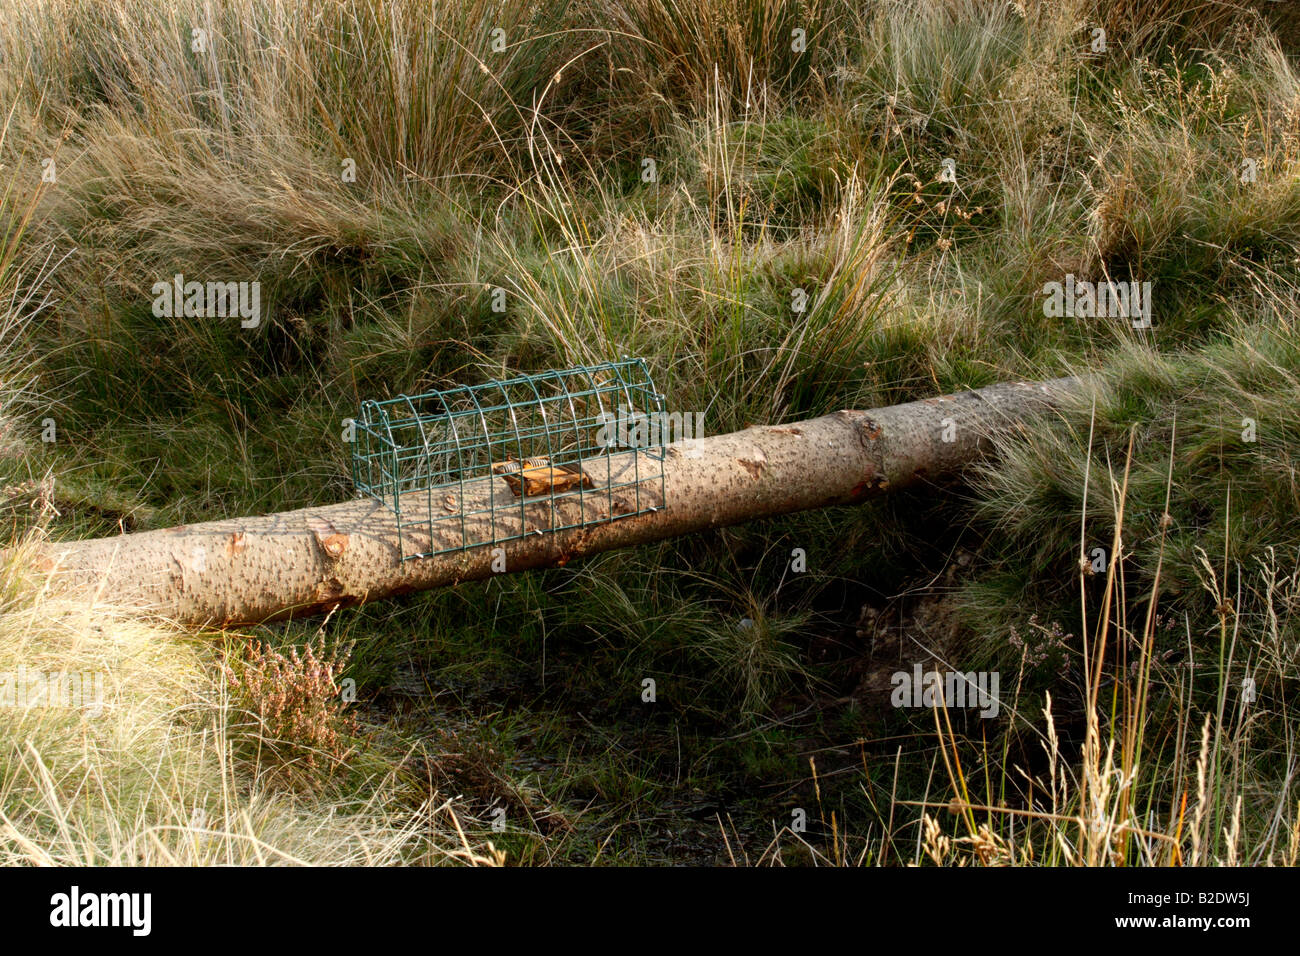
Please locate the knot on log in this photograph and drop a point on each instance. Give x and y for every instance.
(332, 544)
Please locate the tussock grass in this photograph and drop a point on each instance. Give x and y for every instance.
(1191, 519)
(684, 53)
(146, 774)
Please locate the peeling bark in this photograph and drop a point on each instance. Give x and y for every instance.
(304, 562)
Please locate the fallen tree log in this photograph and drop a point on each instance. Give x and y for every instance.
(304, 562)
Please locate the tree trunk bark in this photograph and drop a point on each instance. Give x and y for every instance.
(304, 562)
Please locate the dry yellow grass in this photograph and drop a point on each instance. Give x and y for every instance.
(135, 763)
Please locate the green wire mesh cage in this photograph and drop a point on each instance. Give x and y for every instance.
(481, 464)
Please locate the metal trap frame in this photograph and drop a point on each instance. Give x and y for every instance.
(481, 464)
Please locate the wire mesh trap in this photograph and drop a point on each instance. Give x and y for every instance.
(481, 464)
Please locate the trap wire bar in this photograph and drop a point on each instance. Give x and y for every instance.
(481, 464)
